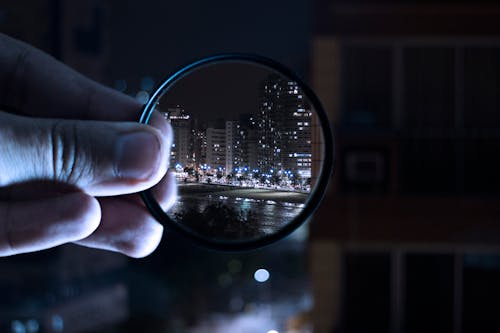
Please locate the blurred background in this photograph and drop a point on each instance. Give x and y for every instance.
(407, 238)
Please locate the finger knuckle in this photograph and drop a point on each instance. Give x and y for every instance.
(69, 161)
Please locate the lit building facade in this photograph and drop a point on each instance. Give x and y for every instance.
(233, 146)
(241, 145)
(216, 149)
(284, 122)
(248, 135)
(199, 146)
(296, 132)
(269, 120)
(181, 154)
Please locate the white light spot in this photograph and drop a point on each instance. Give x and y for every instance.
(273, 331)
(261, 275)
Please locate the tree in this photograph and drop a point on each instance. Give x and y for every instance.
(220, 221)
(296, 178)
(189, 170)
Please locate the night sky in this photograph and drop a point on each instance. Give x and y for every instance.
(154, 38)
(218, 91)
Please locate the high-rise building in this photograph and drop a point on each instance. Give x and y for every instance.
(241, 150)
(269, 144)
(181, 154)
(284, 122)
(199, 152)
(296, 131)
(232, 147)
(216, 148)
(252, 138)
(248, 135)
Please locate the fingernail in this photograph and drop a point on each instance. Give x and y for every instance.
(137, 155)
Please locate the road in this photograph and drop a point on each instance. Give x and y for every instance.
(243, 192)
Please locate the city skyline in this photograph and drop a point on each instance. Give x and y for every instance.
(273, 141)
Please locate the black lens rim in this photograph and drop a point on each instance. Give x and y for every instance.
(316, 194)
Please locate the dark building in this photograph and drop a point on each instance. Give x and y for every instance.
(216, 149)
(182, 153)
(296, 131)
(199, 135)
(269, 152)
(407, 239)
(284, 128)
(241, 143)
(234, 147)
(252, 138)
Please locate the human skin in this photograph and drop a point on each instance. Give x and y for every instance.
(72, 155)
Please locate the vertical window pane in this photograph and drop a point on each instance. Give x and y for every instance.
(429, 87)
(482, 165)
(481, 293)
(367, 84)
(429, 293)
(366, 292)
(482, 87)
(428, 165)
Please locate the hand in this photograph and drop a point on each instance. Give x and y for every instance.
(71, 156)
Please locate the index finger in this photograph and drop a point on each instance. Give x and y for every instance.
(36, 84)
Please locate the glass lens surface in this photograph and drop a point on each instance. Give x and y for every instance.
(247, 152)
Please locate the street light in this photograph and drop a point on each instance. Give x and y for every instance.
(261, 275)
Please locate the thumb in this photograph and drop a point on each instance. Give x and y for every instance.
(101, 158)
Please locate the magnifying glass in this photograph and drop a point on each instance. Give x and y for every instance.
(252, 151)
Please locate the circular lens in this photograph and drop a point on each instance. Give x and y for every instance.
(252, 151)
